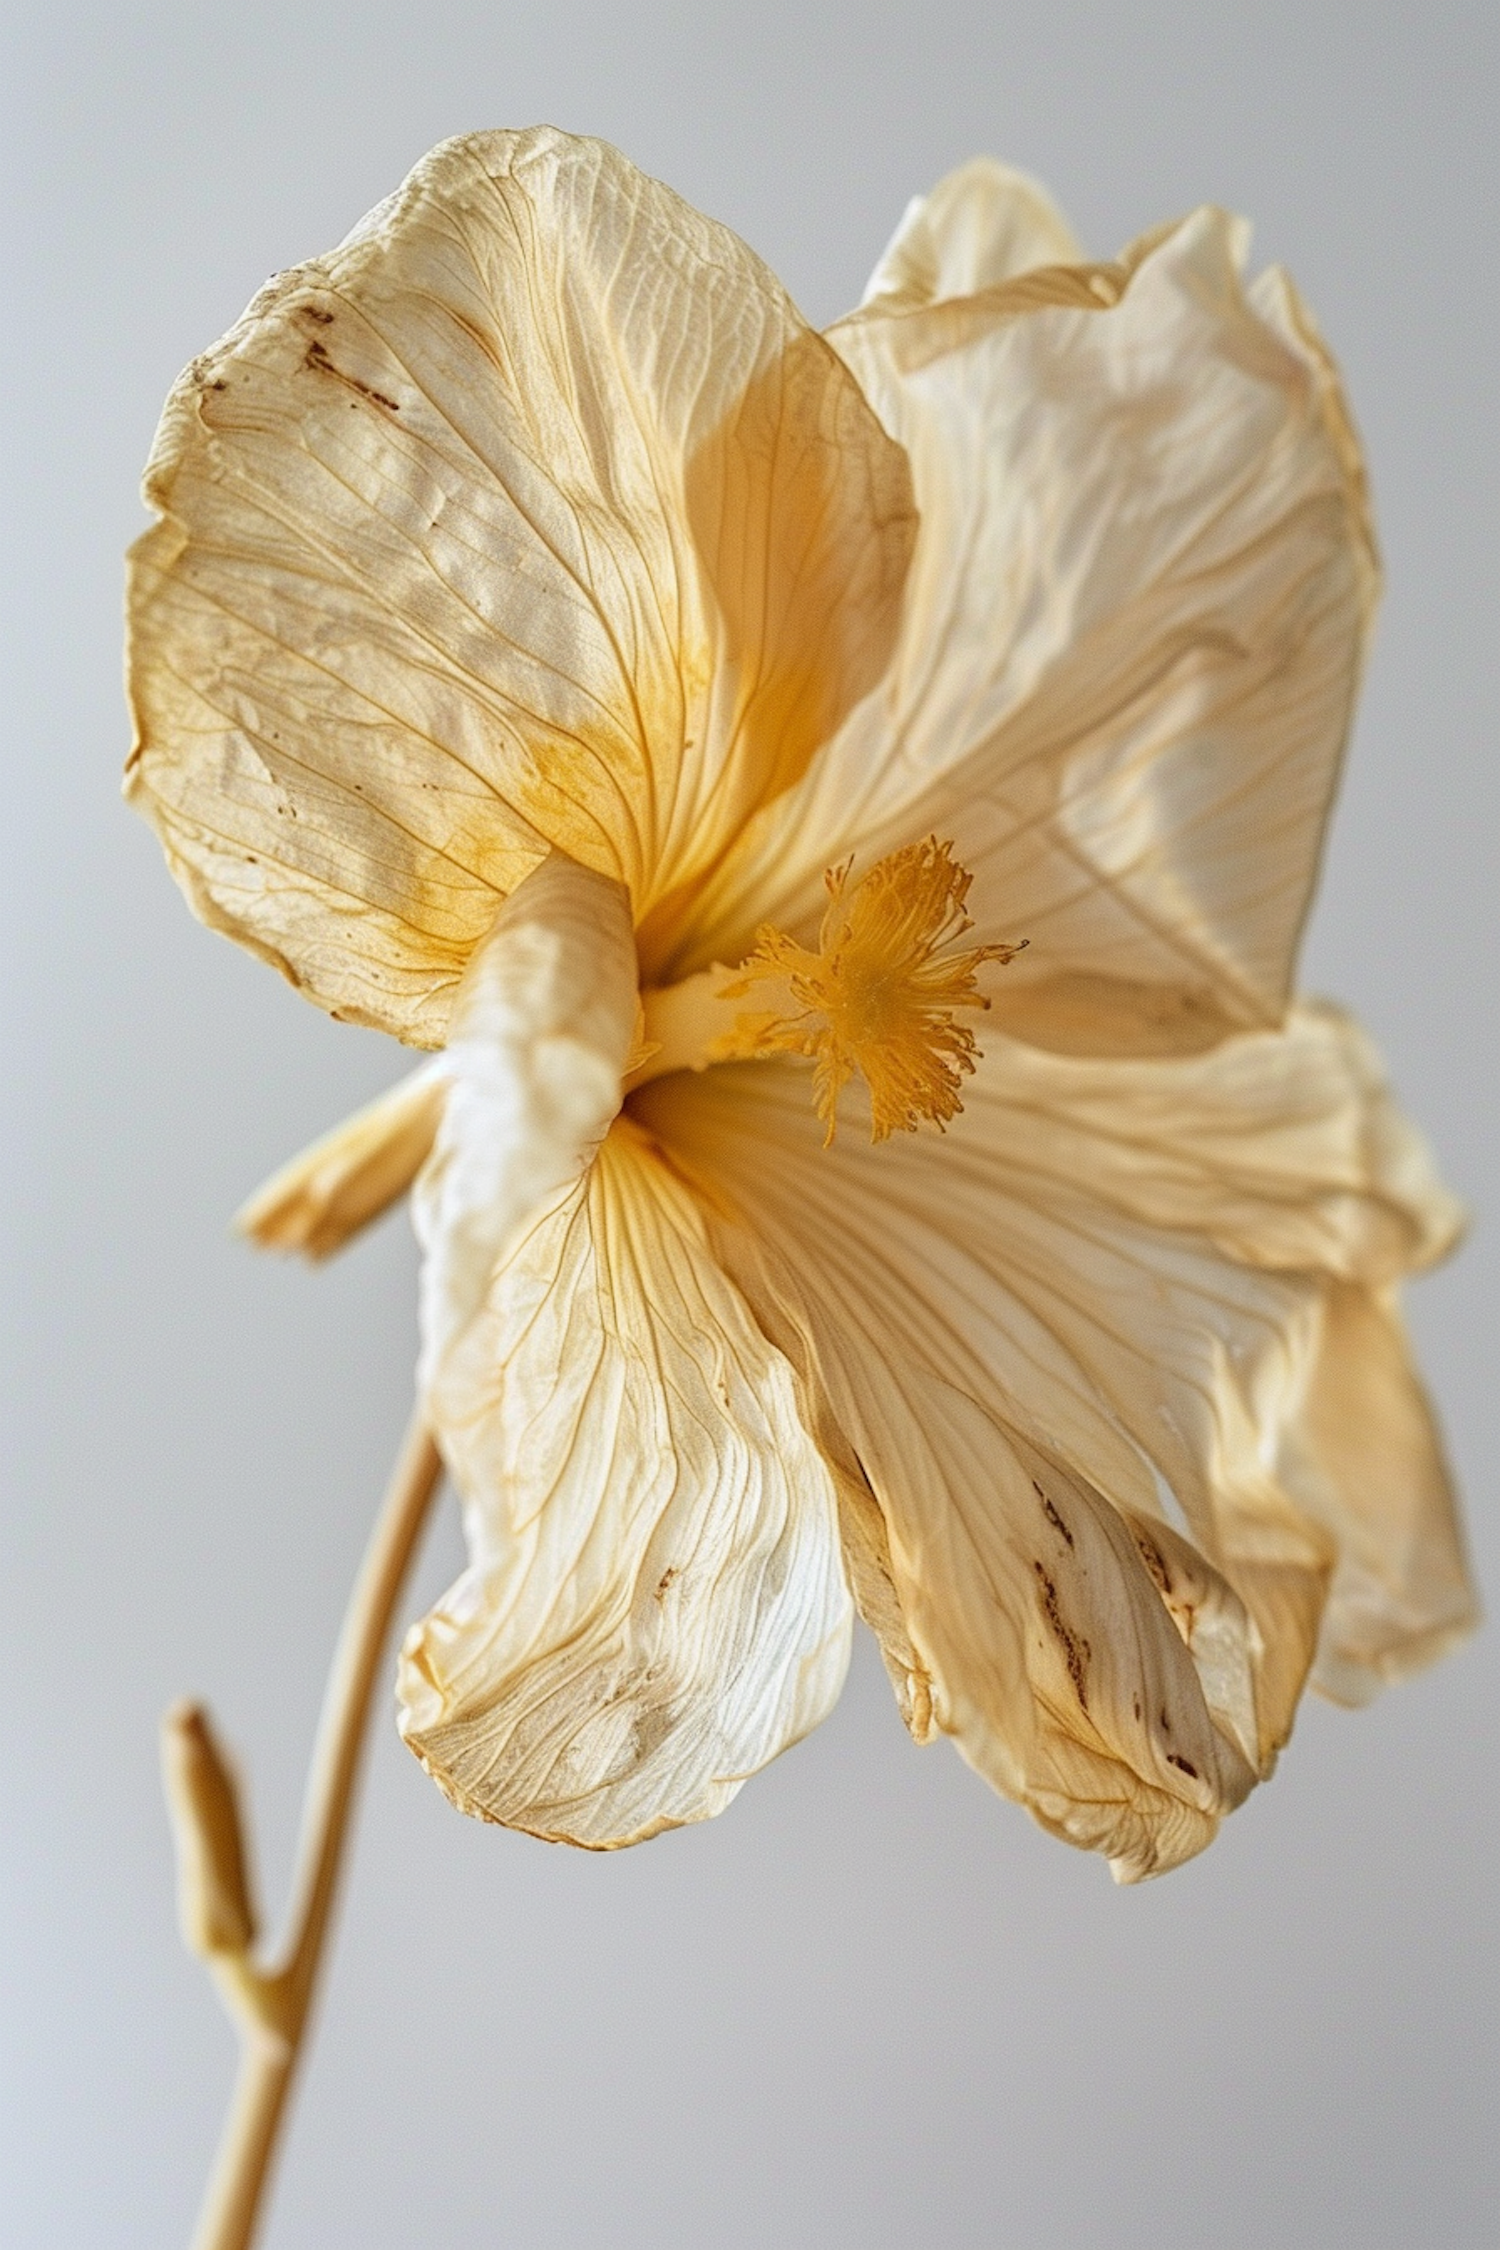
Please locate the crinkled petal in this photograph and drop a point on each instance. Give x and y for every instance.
(1284, 1149)
(1130, 643)
(1365, 1458)
(1286, 1152)
(988, 1363)
(542, 1031)
(532, 516)
(654, 1605)
(981, 225)
(1161, 1274)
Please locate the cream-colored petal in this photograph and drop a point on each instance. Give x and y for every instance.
(981, 225)
(654, 1605)
(540, 1038)
(324, 1196)
(1284, 1152)
(1130, 644)
(1171, 1272)
(968, 1347)
(1365, 1458)
(533, 515)
(1284, 1149)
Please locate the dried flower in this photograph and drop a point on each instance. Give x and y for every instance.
(554, 653)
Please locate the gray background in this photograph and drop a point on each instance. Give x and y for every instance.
(872, 2005)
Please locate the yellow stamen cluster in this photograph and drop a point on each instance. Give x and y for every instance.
(878, 997)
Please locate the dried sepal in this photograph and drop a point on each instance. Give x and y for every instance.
(324, 1196)
(213, 1882)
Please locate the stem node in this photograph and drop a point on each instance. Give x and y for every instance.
(270, 2005)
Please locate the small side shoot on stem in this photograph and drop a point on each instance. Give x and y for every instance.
(270, 2003)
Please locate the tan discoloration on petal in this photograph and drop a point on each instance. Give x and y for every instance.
(1128, 1263)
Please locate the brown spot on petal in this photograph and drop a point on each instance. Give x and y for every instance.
(1051, 1514)
(1151, 1556)
(318, 360)
(1075, 1649)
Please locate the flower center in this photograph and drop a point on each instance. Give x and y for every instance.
(879, 999)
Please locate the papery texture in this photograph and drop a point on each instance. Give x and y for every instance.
(1366, 1461)
(981, 225)
(1129, 647)
(539, 1041)
(329, 1192)
(1112, 1283)
(533, 624)
(654, 1604)
(532, 516)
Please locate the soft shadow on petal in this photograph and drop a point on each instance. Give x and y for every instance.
(542, 1032)
(654, 1605)
(1163, 1275)
(982, 224)
(1287, 1153)
(533, 515)
(1284, 1149)
(1023, 1391)
(1131, 641)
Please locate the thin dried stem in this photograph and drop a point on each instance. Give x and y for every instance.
(270, 2004)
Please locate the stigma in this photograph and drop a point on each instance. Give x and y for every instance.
(882, 997)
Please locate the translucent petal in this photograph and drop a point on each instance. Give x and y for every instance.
(1156, 1274)
(533, 515)
(1130, 642)
(654, 1605)
(981, 225)
(1284, 1149)
(972, 1350)
(1365, 1458)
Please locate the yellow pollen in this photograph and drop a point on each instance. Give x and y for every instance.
(879, 996)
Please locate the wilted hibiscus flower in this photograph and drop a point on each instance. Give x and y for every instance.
(843, 809)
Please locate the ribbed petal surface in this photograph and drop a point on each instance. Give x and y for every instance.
(1129, 648)
(655, 1604)
(533, 515)
(1117, 1293)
